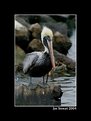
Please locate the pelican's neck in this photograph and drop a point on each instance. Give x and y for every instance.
(45, 49)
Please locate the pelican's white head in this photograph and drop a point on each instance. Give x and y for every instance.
(46, 32)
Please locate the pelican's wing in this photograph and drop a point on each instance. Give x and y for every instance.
(29, 61)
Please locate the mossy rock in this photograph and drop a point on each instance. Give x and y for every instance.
(19, 55)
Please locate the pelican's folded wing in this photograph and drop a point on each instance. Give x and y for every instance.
(29, 61)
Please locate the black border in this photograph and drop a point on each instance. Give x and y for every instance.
(8, 62)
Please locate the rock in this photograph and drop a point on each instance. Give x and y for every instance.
(22, 42)
(23, 20)
(46, 18)
(70, 20)
(31, 19)
(19, 69)
(20, 30)
(35, 29)
(21, 35)
(27, 21)
(24, 36)
(59, 26)
(59, 71)
(19, 55)
(60, 18)
(37, 96)
(57, 92)
(35, 45)
(70, 64)
(61, 43)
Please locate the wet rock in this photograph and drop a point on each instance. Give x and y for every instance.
(37, 96)
(61, 43)
(57, 92)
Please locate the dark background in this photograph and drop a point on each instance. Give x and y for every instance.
(7, 59)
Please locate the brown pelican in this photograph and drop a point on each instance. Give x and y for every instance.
(38, 64)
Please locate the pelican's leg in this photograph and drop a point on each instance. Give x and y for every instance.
(47, 85)
(44, 85)
(47, 78)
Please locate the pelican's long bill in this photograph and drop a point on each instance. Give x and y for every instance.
(50, 46)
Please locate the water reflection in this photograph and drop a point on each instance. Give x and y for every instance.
(69, 87)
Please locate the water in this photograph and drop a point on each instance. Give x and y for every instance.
(42, 97)
(68, 85)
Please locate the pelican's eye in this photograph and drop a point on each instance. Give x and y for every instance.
(47, 38)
